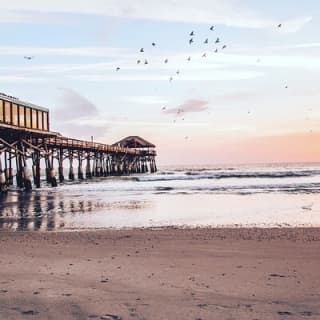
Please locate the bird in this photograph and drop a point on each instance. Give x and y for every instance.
(223, 47)
(216, 50)
(309, 207)
(258, 60)
(178, 72)
(153, 44)
(206, 41)
(166, 61)
(218, 40)
(279, 25)
(118, 68)
(164, 108)
(170, 79)
(286, 87)
(146, 61)
(204, 55)
(28, 57)
(189, 59)
(191, 34)
(141, 50)
(191, 41)
(138, 61)
(211, 28)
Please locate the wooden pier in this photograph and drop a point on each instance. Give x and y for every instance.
(29, 151)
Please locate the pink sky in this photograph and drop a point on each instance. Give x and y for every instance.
(295, 147)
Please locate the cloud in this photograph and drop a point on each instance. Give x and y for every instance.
(294, 25)
(226, 12)
(65, 51)
(189, 106)
(77, 117)
(74, 106)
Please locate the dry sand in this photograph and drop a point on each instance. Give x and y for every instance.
(161, 274)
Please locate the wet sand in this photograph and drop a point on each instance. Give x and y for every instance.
(161, 274)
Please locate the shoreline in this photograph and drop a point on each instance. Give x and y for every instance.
(161, 274)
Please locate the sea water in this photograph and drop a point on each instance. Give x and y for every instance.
(269, 195)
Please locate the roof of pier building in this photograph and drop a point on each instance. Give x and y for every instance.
(20, 102)
(134, 142)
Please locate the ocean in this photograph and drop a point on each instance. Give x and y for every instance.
(269, 195)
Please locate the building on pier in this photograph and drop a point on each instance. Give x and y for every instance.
(29, 150)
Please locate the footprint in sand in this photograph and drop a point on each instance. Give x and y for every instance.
(284, 313)
(110, 317)
(29, 312)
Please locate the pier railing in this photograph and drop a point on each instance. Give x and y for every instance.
(25, 151)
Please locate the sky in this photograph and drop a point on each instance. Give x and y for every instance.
(254, 101)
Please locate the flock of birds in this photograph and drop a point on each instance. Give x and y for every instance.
(191, 40)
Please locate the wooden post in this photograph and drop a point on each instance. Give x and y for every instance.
(88, 167)
(80, 170)
(71, 172)
(36, 169)
(60, 169)
(3, 185)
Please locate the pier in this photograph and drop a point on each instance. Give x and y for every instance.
(29, 151)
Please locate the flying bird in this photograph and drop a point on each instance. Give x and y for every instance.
(189, 59)
(28, 57)
(138, 61)
(153, 44)
(191, 34)
(218, 40)
(166, 61)
(146, 61)
(223, 47)
(170, 79)
(280, 25)
(204, 55)
(191, 41)
(178, 72)
(216, 50)
(211, 28)
(118, 68)
(206, 41)
(286, 87)
(164, 108)
(141, 50)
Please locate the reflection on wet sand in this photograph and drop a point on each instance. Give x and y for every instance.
(49, 211)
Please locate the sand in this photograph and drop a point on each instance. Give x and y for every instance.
(161, 274)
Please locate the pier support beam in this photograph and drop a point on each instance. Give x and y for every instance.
(60, 169)
(3, 185)
(88, 167)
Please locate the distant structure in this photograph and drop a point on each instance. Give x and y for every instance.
(27, 145)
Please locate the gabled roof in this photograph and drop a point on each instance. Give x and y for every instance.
(134, 142)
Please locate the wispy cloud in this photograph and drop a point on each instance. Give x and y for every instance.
(227, 12)
(189, 106)
(76, 116)
(73, 106)
(65, 51)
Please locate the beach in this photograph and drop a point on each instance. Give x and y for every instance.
(161, 273)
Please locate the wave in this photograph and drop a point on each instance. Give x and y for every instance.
(195, 175)
(137, 188)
